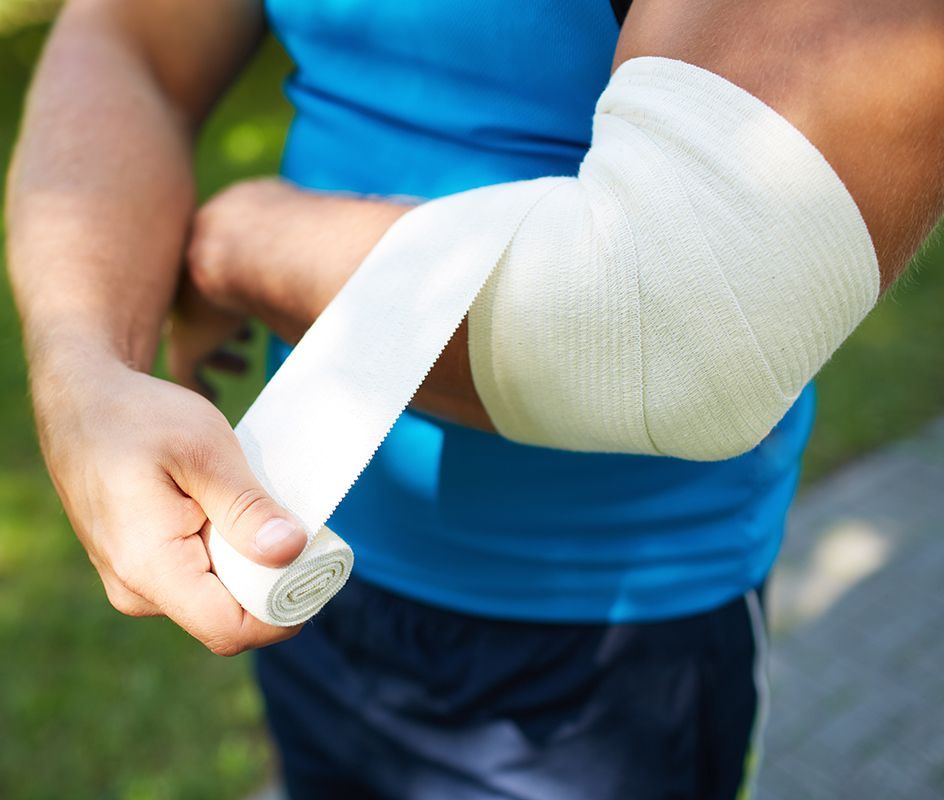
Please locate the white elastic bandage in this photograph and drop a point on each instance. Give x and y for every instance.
(674, 299)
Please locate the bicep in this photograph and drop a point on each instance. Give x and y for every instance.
(862, 79)
(192, 49)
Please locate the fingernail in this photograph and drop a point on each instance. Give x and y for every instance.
(274, 532)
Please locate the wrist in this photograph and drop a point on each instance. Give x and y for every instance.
(271, 250)
(351, 228)
(57, 331)
(60, 353)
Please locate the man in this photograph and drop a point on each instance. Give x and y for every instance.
(443, 672)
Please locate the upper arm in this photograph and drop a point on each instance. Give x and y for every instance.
(862, 79)
(192, 49)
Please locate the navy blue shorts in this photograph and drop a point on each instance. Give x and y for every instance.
(381, 696)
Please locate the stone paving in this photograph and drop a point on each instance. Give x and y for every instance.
(857, 623)
(857, 618)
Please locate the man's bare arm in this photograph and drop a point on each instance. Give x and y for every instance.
(99, 203)
(863, 80)
(100, 194)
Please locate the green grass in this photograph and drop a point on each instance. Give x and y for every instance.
(95, 705)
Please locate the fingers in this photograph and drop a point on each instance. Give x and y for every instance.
(219, 479)
(172, 577)
(125, 601)
(181, 585)
(190, 376)
(196, 334)
(186, 363)
(227, 361)
(122, 599)
(202, 386)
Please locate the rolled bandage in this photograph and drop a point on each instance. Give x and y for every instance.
(674, 298)
(291, 595)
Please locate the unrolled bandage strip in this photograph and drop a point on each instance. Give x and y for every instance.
(673, 298)
(320, 419)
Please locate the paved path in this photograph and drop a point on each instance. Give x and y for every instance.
(857, 619)
(857, 615)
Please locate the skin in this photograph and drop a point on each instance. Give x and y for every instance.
(100, 201)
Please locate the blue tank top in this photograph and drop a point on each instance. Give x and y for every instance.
(429, 97)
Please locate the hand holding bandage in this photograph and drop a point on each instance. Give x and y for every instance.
(674, 298)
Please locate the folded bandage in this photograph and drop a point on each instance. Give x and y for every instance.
(672, 299)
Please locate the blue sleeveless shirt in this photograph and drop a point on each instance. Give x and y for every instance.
(429, 97)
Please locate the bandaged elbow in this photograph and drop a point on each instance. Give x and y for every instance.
(677, 295)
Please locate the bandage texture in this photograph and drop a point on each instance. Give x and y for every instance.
(675, 297)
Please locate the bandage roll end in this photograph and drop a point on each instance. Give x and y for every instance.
(290, 595)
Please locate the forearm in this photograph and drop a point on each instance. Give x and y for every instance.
(355, 226)
(448, 391)
(303, 248)
(98, 200)
(101, 193)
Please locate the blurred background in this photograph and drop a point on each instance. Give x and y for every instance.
(96, 705)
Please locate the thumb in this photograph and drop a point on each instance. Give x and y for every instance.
(240, 508)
